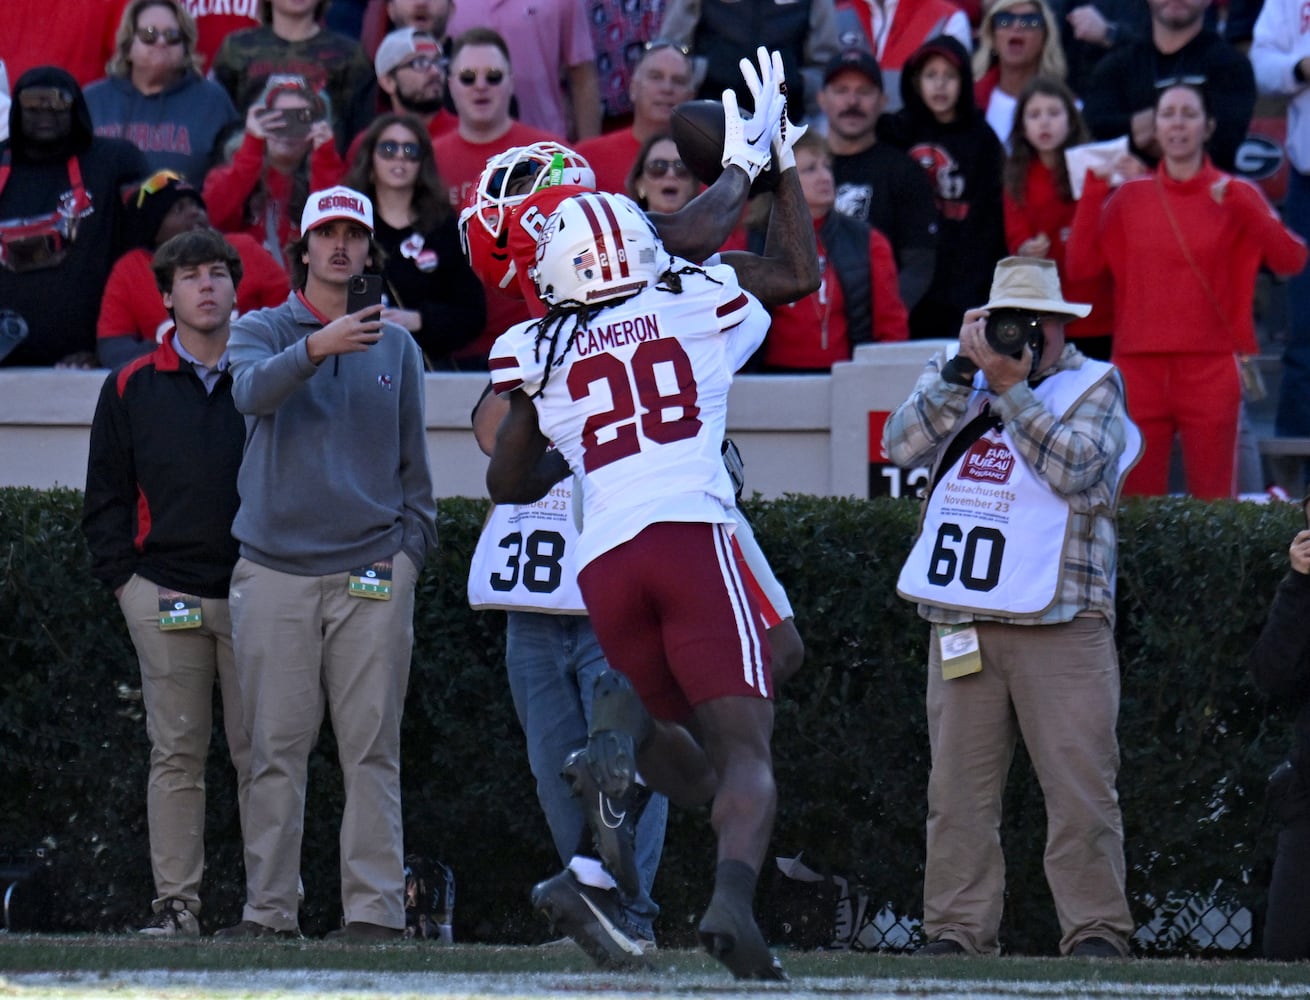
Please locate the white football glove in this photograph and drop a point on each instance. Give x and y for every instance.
(787, 132)
(746, 143)
(763, 84)
(758, 132)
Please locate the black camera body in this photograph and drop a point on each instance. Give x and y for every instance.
(1008, 330)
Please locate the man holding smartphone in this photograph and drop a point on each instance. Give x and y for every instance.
(336, 519)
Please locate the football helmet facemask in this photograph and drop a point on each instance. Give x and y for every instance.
(507, 179)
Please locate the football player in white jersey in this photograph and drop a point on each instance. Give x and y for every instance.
(628, 374)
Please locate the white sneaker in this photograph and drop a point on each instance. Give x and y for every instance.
(173, 919)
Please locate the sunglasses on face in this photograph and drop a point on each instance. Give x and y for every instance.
(390, 150)
(493, 77)
(45, 99)
(655, 44)
(1009, 19)
(422, 64)
(153, 36)
(659, 168)
(1180, 81)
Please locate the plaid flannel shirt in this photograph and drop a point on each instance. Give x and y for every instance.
(1078, 457)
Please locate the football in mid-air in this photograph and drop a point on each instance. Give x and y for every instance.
(697, 128)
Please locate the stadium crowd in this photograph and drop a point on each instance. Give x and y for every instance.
(924, 154)
(946, 133)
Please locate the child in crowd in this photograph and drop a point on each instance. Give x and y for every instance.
(1039, 202)
(941, 128)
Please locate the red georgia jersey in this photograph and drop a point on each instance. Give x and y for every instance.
(526, 221)
(504, 261)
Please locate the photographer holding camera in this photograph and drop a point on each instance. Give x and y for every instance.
(1014, 569)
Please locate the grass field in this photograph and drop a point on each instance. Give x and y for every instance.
(82, 967)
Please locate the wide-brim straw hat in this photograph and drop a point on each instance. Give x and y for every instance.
(1031, 283)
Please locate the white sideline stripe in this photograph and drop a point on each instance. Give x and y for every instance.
(333, 984)
(752, 656)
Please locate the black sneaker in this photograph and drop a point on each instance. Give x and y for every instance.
(613, 821)
(1095, 947)
(620, 724)
(940, 947)
(250, 929)
(591, 917)
(731, 935)
(361, 932)
(172, 919)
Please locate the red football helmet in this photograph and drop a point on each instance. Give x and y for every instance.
(507, 180)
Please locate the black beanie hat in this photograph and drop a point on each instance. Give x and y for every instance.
(151, 200)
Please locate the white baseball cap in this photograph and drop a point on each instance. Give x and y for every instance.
(333, 203)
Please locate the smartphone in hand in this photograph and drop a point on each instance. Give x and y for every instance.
(364, 290)
(296, 123)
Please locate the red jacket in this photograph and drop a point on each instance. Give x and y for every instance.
(228, 188)
(1168, 300)
(811, 333)
(129, 310)
(1043, 210)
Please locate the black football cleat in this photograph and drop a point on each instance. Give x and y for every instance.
(591, 917)
(731, 935)
(620, 725)
(613, 821)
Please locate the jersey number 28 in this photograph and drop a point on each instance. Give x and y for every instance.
(658, 380)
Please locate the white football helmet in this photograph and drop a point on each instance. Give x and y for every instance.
(511, 176)
(597, 247)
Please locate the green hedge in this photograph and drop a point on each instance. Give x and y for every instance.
(850, 744)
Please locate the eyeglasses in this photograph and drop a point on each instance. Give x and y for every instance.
(655, 44)
(389, 150)
(659, 168)
(45, 99)
(1009, 19)
(153, 36)
(1180, 81)
(493, 77)
(422, 64)
(155, 183)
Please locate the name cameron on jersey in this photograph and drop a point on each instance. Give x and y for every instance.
(628, 331)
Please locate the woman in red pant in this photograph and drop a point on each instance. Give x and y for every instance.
(1183, 244)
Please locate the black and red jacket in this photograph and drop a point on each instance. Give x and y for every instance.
(161, 478)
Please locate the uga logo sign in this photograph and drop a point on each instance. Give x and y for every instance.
(1258, 157)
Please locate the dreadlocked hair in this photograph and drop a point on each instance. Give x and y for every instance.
(557, 315)
(550, 326)
(671, 280)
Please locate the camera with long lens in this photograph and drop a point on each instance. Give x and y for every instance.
(1008, 330)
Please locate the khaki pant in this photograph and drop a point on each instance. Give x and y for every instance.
(303, 644)
(178, 669)
(1057, 686)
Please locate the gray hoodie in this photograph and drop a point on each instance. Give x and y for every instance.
(335, 472)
